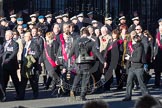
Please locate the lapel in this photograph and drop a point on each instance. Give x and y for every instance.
(10, 44)
(31, 45)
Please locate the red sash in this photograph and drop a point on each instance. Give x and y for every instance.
(63, 47)
(130, 47)
(73, 59)
(48, 57)
(119, 42)
(158, 40)
(91, 53)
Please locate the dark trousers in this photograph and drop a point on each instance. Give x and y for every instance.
(109, 77)
(33, 82)
(84, 76)
(158, 69)
(14, 77)
(52, 78)
(119, 77)
(138, 72)
(157, 77)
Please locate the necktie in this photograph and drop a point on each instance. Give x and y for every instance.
(25, 50)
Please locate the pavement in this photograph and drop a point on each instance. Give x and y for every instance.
(46, 100)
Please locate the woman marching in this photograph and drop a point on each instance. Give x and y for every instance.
(49, 58)
(124, 38)
(112, 54)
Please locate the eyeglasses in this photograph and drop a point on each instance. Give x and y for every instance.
(137, 29)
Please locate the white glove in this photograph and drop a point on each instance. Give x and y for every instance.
(127, 57)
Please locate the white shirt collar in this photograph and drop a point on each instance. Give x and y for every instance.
(28, 44)
(8, 41)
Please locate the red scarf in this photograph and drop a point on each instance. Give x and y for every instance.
(130, 47)
(48, 57)
(63, 47)
(158, 40)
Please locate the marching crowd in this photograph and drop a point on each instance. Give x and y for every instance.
(54, 48)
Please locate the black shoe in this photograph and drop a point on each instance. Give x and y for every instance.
(98, 91)
(28, 86)
(35, 95)
(156, 86)
(127, 99)
(119, 89)
(3, 99)
(106, 89)
(19, 98)
(82, 98)
(46, 87)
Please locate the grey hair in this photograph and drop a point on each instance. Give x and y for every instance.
(9, 31)
(104, 28)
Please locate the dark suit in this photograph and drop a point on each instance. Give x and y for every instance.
(60, 25)
(80, 24)
(57, 37)
(112, 58)
(10, 64)
(49, 25)
(52, 71)
(88, 21)
(137, 60)
(43, 26)
(145, 42)
(2, 33)
(83, 69)
(76, 28)
(39, 41)
(158, 62)
(110, 28)
(12, 25)
(1, 74)
(1, 54)
(34, 77)
(67, 47)
(75, 35)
